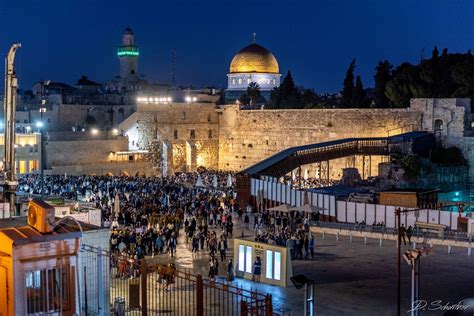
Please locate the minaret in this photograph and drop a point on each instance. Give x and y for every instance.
(128, 54)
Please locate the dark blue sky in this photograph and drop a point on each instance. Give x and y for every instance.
(315, 39)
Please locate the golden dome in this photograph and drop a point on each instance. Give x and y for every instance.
(254, 58)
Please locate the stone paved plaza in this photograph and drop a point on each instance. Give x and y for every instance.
(354, 279)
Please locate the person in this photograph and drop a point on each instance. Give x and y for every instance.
(222, 248)
(246, 221)
(311, 246)
(403, 233)
(230, 271)
(211, 269)
(257, 270)
(409, 233)
(172, 245)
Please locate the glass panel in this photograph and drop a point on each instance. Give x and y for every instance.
(248, 259)
(269, 265)
(277, 266)
(241, 257)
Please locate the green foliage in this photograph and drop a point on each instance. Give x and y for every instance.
(448, 156)
(348, 85)
(289, 96)
(383, 74)
(411, 165)
(359, 98)
(445, 76)
(244, 99)
(253, 92)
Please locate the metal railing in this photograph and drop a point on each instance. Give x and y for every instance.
(417, 232)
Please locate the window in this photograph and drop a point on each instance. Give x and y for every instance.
(193, 134)
(209, 133)
(438, 125)
(273, 265)
(248, 81)
(241, 257)
(49, 290)
(274, 81)
(233, 81)
(23, 166)
(209, 117)
(240, 81)
(277, 266)
(245, 259)
(248, 259)
(269, 265)
(175, 134)
(184, 115)
(33, 165)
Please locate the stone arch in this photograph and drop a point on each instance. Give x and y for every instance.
(125, 173)
(140, 174)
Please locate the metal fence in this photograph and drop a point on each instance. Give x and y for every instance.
(142, 288)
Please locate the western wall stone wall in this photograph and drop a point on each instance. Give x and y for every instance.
(183, 127)
(248, 136)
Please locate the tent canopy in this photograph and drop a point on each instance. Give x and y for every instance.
(307, 208)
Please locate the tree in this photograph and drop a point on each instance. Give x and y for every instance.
(287, 95)
(348, 85)
(382, 77)
(358, 94)
(253, 92)
(244, 99)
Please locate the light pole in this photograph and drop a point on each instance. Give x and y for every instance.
(398, 212)
(40, 125)
(412, 257)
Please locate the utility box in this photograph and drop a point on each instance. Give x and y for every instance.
(39, 271)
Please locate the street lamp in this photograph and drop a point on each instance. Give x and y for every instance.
(412, 257)
(40, 126)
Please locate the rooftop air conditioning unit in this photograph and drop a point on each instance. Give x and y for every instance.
(41, 216)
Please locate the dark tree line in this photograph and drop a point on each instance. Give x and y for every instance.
(441, 76)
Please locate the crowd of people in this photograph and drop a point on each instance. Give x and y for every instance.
(147, 215)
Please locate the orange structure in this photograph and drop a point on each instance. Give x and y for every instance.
(39, 266)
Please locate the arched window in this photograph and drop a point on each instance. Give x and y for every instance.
(233, 81)
(438, 125)
(240, 81)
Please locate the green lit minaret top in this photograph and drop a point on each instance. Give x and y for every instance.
(128, 47)
(128, 54)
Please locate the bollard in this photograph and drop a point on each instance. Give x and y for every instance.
(414, 245)
(469, 250)
(365, 240)
(449, 249)
(323, 234)
(350, 238)
(337, 236)
(380, 242)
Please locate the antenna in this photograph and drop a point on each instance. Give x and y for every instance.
(173, 64)
(254, 37)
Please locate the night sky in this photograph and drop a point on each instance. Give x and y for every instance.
(315, 39)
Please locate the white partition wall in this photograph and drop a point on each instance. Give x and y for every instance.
(341, 211)
(379, 213)
(360, 212)
(350, 212)
(390, 216)
(370, 214)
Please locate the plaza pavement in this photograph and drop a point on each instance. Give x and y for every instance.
(352, 278)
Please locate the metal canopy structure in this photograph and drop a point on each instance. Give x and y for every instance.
(289, 159)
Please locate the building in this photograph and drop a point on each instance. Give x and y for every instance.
(253, 63)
